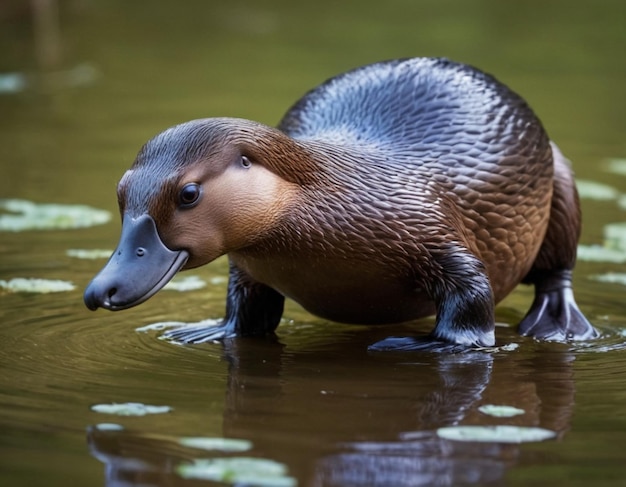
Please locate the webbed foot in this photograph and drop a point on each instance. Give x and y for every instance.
(418, 344)
(554, 314)
(208, 331)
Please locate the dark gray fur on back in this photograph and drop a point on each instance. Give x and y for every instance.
(433, 106)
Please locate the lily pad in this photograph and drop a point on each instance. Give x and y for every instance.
(596, 191)
(616, 166)
(611, 278)
(239, 471)
(187, 283)
(130, 409)
(495, 434)
(600, 253)
(500, 411)
(32, 285)
(615, 236)
(25, 215)
(220, 444)
(89, 253)
(109, 427)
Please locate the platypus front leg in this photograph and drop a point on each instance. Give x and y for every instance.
(464, 305)
(554, 314)
(252, 309)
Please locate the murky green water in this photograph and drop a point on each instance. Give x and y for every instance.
(316, 401)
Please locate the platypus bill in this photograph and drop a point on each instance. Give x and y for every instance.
(389, 193)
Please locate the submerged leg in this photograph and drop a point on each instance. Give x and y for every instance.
(464, 306)
(554, 314)
(252, 309)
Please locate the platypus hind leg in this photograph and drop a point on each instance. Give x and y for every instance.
(554, 314)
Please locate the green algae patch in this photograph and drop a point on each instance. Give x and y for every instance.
(616, 166)
(495, 434)
(186, 283)
(130, 409)
(32, 285)
(596, 191)
(218, 444)
(109, 427)
(238, 471)
(20, 215)
(615, 236)
(600, 253)
(500, 411)
(89, 253)
(611, 278)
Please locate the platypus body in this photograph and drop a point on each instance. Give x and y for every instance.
(389, 193)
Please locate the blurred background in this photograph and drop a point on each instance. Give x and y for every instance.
(84, 83)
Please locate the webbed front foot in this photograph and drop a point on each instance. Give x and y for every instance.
(207, 331)
(554, 314)
(252, 310)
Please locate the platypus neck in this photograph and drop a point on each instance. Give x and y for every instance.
(301, 161)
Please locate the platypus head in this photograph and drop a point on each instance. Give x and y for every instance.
(195, 192)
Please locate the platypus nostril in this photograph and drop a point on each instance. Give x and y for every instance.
(140, 252)
(111, 292)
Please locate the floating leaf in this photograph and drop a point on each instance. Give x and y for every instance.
(616, 166)
(495, 434)
(596, 191)
(187, 283)
(109, 427)
(238, 470)
(130, 409)
(32, 285)
(12, 83)
(221, 444)
(621, 202)
(615, 236)
(160, 326)
(599, 253)
(500, 411)
(89, 253)
(610, 277)
(26, 215)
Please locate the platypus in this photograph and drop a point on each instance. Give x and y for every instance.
(389, 193)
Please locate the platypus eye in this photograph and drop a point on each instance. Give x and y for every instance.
(190, 195)
(245, 162)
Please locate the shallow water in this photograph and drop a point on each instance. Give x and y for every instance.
(315, 400)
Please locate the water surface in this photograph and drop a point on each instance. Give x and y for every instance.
(314, 400)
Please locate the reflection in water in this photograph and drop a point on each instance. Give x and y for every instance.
(363, 419)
